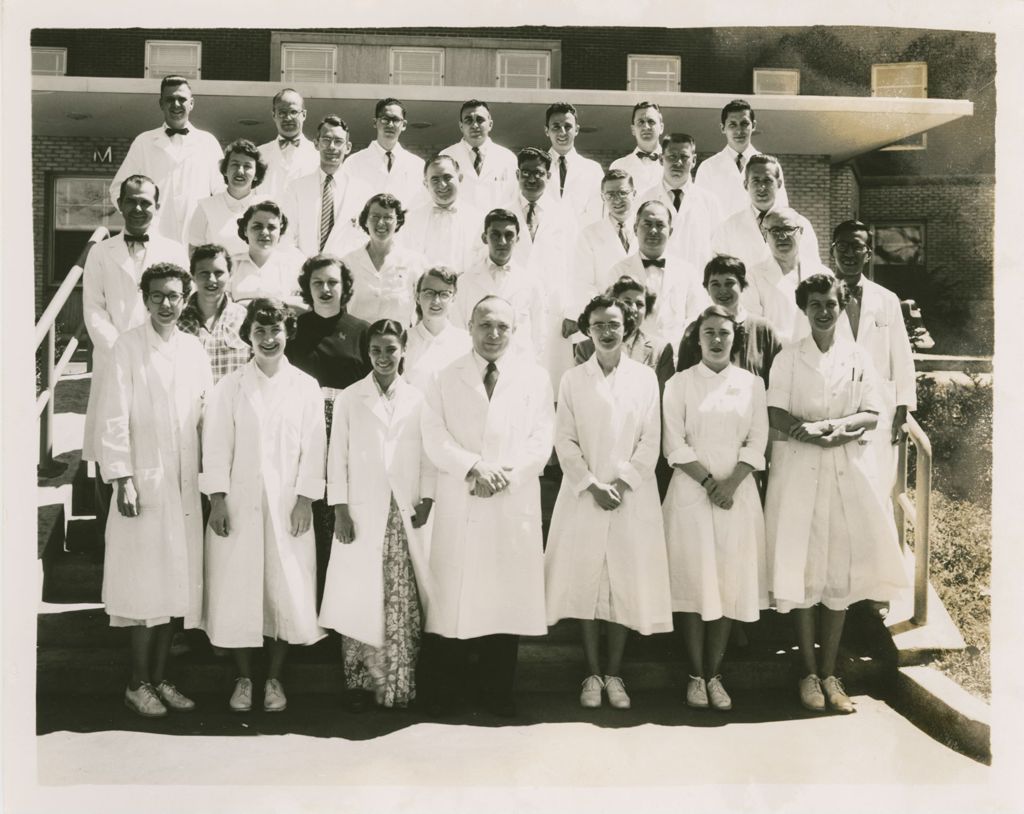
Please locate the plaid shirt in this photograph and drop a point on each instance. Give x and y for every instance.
(226, 350)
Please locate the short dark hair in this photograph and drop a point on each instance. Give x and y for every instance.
(173, 81)
(626, 283)
(243, 146)
(262, 206)
(386, 200)
(648, 204)
(726, 264)
(323, 260)
(533, 154)
(738, 106)
(677, 138)
(642, 105)
(472, 103)
(333, 120)
(501, 215)
(163, 271)
(267, 311)
(560, 107)
(207, 252)
(383, 327)
(715, 311)
(821, 284)
(605, 301)
(852, 226)
(437, 159)
(137, 180)
(378, 109)
(764, 160)
(280, 94)
(445, 274)
(618, 175)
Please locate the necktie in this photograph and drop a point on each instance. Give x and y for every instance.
(176, 131)
(739, 162)
(650, 261)
(140, 239)
(677, 198)
(760, 222)
(853, 307)
(490, 379)
(478, 160)
(649, 156)
(562, 170)
(623, 237)
(284, 141)
(532, 219)
(326, 210)
(391, 159)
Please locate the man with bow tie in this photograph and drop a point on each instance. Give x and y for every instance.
(291, 155)
(182, 160)
(644, 163)
(874, 320)
(385, 165)
(675, 283)
(111, 303)
(488, 170)
(722, 174)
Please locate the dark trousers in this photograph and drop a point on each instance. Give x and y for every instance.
(103, 494)
(444, 668)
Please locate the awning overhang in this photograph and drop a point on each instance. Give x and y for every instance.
(837, 126)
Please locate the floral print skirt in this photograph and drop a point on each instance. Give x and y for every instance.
(395, 662)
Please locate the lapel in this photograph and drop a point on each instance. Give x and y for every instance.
(469, 375)
(251, 390)
(122, 259)
(366, 389)
(164, 402)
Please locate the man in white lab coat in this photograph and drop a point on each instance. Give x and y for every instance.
(291, 155)
(644, 162)
(488, 169)
(182, 160)
(577, 180)
(488, 427)
(385, 165)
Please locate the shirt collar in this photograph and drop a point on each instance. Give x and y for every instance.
(155, 340)
(483, 147)
(555, 155)
(750, 152)
(707, 373)
(375, 146)
(481, 363)
(685, 187)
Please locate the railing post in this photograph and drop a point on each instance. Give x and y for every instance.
(922, 535)
(900, 488)
(46, 425)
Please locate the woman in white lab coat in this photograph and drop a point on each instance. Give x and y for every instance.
(716, 429)
(831, 540)
(153, 563)
(381, 485)
(434, 342)
(606, 558)
(264, 456)
(268, 268)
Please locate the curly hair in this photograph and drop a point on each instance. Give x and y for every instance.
(164, 271)
(387, 201)
(243, 146)
(821, 284)
(319, 261)
(605, 301)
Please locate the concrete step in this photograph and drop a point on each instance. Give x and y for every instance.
(50, 530)
(73, 578)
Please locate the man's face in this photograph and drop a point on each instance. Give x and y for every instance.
(852, 254)
(618, 196)
(289, 115)
(533, 179)
(333, 145)
(653, 229)
(562, 130)
(476, 124)
(738, 129)
(138, 207)
(390, 125)
(647, 128)
(678, 160)
(500, 237)
(442, 182)
(491, 328)
(782, 232)
(762, 185)
(176, 104)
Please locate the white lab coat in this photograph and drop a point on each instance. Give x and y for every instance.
(285, 166)
(302, 201)
(405, 181)
(263, 448)
(278, 276)
(582, 191)
(608, 427)
(772, 295)
(598, 248)
(486, 556)
(445, 237)
(184, 172)
(426, 355)
(692, 225)
(644, 172)
(215, 220)
(740, 236)
(112, 304)
(388, 292)
(371, 457)
(719, 175)
(496, 182)
(153, 566)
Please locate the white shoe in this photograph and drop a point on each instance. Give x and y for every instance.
(811, 695)
(173, 699)
(274, 699)
(697, 693)
(590, 696)
(836, 695)
(719, 698)
(616, 692)
(241, 697)
(144, 701)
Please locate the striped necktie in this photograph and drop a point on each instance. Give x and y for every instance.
(326, 210)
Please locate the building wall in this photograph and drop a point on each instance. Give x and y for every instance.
(844, 197)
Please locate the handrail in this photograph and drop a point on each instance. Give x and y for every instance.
(46, 329)
(919, 508)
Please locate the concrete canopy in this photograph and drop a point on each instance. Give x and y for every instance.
(838, 126)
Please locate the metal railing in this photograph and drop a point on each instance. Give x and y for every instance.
(51, 369)
(918, 508)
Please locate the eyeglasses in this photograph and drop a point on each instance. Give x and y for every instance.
(605, 327)
(382, 219)
(390, 119)
(323, 141)
(159, 297)
(434, 294)
(784, 231)
(618, 195)
(533, 175)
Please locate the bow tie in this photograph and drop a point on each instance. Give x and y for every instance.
(647, 261)
(649, 156)
(136, 238)
(284, 141)
(856, 292)
(176, 131)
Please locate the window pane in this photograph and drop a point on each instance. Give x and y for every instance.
(308, 64)
(163, 58)
(899, 245)
(411, 66)
(49, 61)
(524, 69)
(653, 73)
(82, 204)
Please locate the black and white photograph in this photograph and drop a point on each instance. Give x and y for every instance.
(535, 408)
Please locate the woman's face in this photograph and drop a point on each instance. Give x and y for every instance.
(716, 336)
(381, 223)
(164, 301)
(385, 353)
(724, 290)
(637, 300)
(212, 275)
(325, 286)
(823, 310)
(606, 328)
(263, 230)
(241, 171)
(268, 340)
(434, 297)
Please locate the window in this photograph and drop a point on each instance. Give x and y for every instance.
(908, 80)
(899, 244)
(523, 69)
(80, 205)
(777, 81)
(653, 73)
(166, 57)
(416, 66)
(308, 62)
(49, 61)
